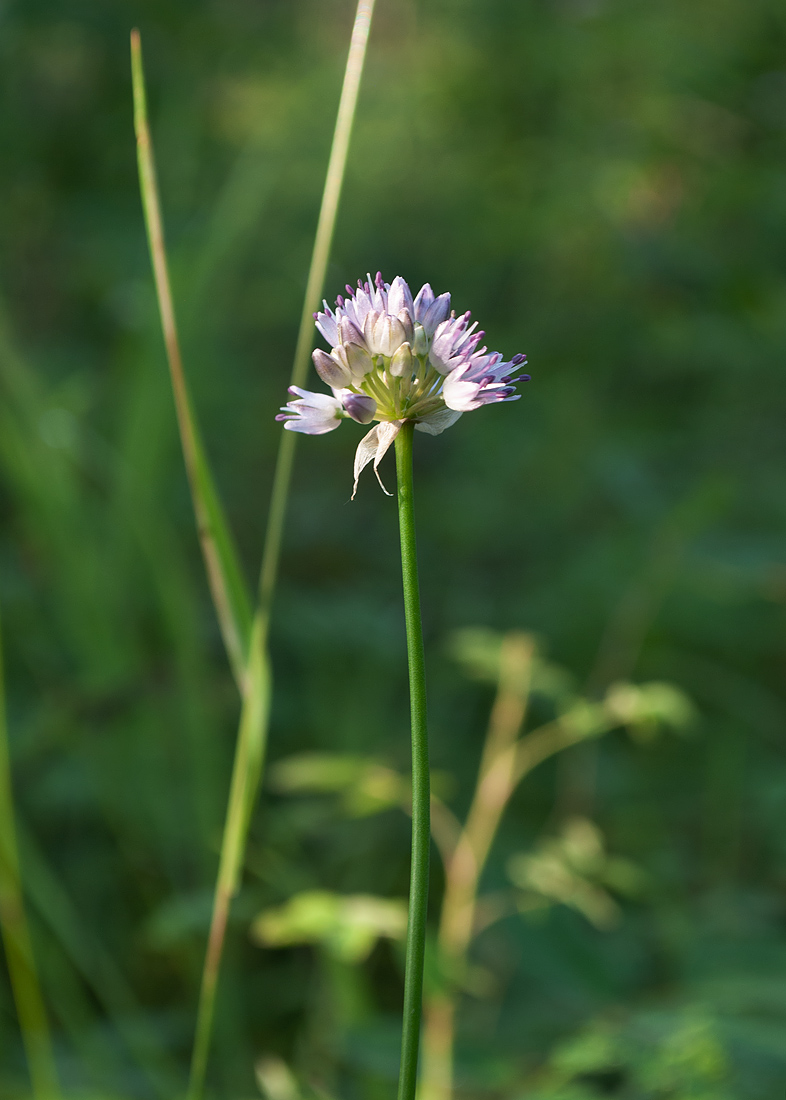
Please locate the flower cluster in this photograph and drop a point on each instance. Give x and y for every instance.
(395, 358)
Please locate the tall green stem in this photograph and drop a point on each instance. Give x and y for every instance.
(254, 717)
(334, 179)
(421, 795)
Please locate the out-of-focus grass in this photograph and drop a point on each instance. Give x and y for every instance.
(601, 184)
(17, 941)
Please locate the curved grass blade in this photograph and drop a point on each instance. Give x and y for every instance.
(30, 1008)
(334, 180)
(252, 734)
(227, 584)
(246, 775)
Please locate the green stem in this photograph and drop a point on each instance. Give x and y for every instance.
(246, 773)
(421, 796)
(320, 255)
(255, 711)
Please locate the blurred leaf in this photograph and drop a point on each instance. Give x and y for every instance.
(275, 1079)
(645, 708)
(582, 718)
(367, 787)
(478, 650)
(347, 926)
(574, 869)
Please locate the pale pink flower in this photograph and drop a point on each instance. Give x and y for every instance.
(395, 358)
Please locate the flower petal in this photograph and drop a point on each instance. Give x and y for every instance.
(312, 414)
(326, 323)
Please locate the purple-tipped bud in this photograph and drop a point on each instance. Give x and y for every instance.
(401, 363)
(330, 370)
(349, 333)
(423, 301)
(360, 407)
(437, 312)
(420, 340)
(400, 297)
(358, 360)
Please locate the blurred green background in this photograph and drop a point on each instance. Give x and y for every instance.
(602, 183)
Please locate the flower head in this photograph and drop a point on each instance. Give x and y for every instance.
(395, 358)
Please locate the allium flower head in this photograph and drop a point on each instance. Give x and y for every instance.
(395, 358)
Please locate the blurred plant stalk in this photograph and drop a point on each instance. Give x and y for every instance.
(33, 1022)
(506, 759)
(245, 634)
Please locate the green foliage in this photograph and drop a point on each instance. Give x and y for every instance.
(675, 1054)
(348, 927)
(575, 869)
(601, 183)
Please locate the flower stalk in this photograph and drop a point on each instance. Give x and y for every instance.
(409, 362)
(421, 789)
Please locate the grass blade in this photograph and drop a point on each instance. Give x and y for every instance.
(252, 735)
(16, 936)
(92, 962)
(246, 774)
(227, 584)
(326, 225)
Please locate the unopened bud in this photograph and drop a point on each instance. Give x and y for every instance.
(360, 407)
(436, 313)
(358, 360)
(348, 332)
(330, 370)
(406, 320)
(420, 341)
(383, 333)
(401, 363)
